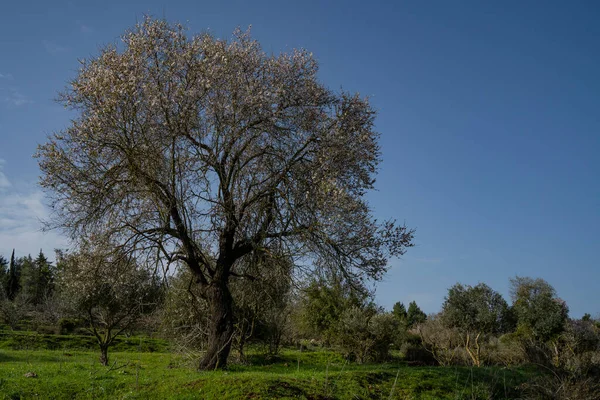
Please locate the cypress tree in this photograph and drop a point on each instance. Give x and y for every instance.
(12, 283)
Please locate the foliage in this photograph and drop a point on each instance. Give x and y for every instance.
(366, 333)
(3, 276)
(571, 362)
(540, 313)
(14, 275)
(476, 311)
(261, 309)
(13, 312)
(414, 315)
(184, 313)
(108, 289)
(399, 311)
(441, 341)
(37, 279)
(210, 152)
(322, 305)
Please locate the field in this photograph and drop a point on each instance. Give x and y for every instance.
(67, 373)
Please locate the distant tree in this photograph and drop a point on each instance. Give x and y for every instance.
(399, 311)
(438, 339)
(365, 333)
(414, 315)
(109, 290)
(540, 312)
(37, 279)
(3, 276)
(542, 319)
(586, 317)
(476, 311)
(13, 284)
(212, 151)
(323, 304)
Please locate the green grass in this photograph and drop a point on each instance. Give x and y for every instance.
(72, 374)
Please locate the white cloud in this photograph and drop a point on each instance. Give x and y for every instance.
(53, 47)
(15, 98)
(4, 182)
(21, 213)
(10, 94)
(85, 28)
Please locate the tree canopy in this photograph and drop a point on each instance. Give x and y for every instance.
(539, 311)
(475, 311)
(211, 151)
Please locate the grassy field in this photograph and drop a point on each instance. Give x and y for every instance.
(319, 374)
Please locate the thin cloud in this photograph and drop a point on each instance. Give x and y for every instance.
(15, 98)
(5, 76)
(4, 182)
(21, 211)
(85, 28)
(53, 47)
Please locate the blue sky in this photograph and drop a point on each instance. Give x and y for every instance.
(489, 115)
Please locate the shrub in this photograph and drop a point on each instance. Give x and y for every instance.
(366, 334)
(46, 329)
(66, 326)
(442, 342)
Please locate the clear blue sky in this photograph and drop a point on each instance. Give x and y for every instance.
(489, 115)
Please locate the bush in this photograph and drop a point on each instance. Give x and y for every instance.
(66, 326)
(416, 354)
(505, 350)
(45, 329)
(366, 334)
(442, 342)
(572, 362)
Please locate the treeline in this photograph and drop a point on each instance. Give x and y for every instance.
(109, 293)
(27, 279)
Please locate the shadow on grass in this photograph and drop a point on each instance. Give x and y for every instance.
(7, 358)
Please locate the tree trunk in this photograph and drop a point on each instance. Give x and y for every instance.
(104, 354)
(220, 331)
(474, 355)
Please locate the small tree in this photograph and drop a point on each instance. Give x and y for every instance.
(109, 290)
(441, 341)
(323, 304)
(475, 311)
(365, 333)
(414, 315)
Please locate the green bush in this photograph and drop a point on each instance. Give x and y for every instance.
(45, 329)
(67, 326)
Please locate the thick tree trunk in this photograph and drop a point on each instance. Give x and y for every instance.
(221, 327)
(104, 355)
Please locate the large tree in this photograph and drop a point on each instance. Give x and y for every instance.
(540, 312)
(211, 151)
(475, 311)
